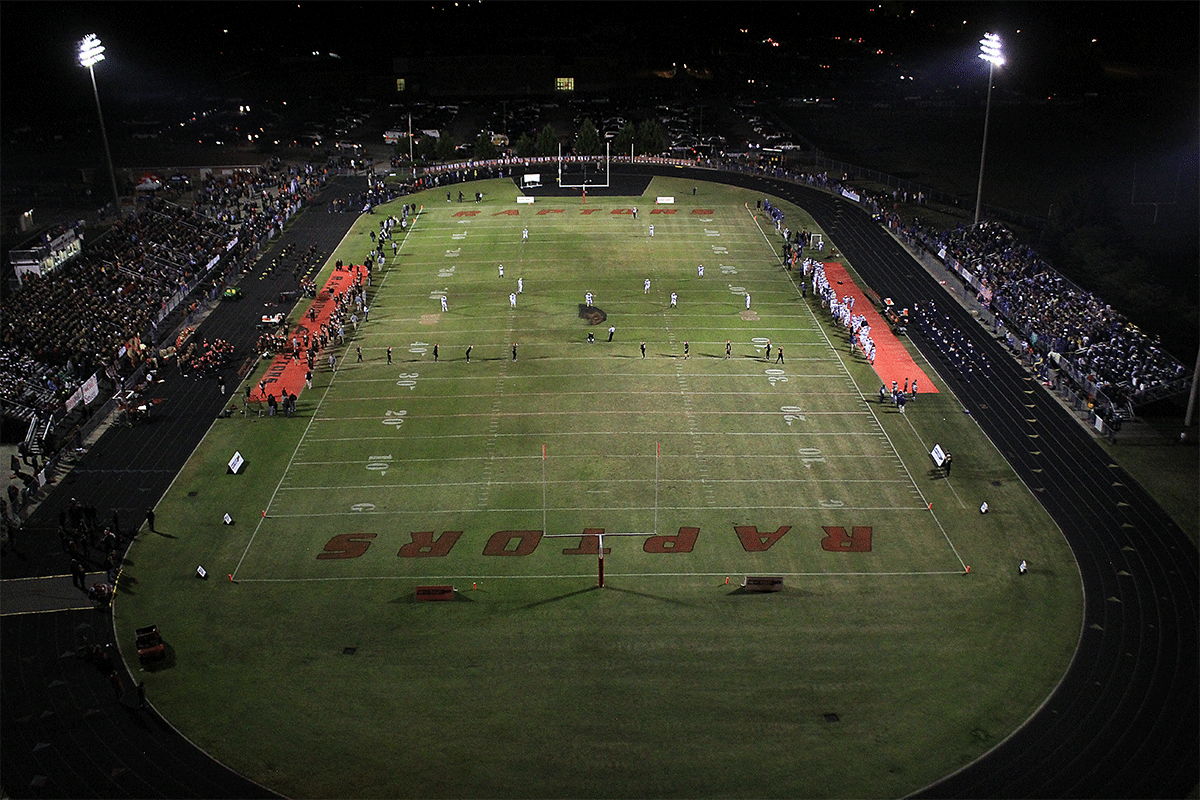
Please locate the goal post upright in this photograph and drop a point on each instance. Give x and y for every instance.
(585, 185)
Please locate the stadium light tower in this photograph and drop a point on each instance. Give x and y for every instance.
(91, 53)
(989, 51)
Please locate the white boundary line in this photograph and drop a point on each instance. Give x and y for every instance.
(579, 509)
(592, 575)
(838, 355)
(303, 436)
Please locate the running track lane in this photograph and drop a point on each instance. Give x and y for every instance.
(63, 733)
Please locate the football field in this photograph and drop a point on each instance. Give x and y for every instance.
(571, 436)
(718, 427)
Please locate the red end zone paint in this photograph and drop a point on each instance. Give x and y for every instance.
(892, 361)
(288, 373)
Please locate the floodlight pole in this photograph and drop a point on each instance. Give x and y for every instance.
(91, 52)
(983, 153)
(989, 47)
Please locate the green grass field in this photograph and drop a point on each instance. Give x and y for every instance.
(496, 476)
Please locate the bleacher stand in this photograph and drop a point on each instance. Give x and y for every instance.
(99, 314)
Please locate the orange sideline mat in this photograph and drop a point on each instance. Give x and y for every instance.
(892, 361)
(288, 373)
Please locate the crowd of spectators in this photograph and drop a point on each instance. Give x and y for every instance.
(1101, 349)
(30, 386)
(1099, 343)
(205, 357)
(60, 328)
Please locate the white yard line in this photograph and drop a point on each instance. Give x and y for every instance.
(591, 574)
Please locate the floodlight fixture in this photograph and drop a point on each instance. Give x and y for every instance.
(91, 52)
(989, 50)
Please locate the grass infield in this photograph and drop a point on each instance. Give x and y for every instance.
(304, 662)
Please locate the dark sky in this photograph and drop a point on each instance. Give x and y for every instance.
(170, 48)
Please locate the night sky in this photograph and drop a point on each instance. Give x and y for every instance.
(172, 49)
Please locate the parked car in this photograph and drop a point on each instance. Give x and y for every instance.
(150, 645)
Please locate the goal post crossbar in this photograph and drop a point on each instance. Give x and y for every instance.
(601, 535)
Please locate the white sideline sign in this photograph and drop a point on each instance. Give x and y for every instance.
(236, 462)
(669, 201)
(938, 455)
(524, 200)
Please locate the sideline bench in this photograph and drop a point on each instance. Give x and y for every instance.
(762, 583)
(435, 593)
